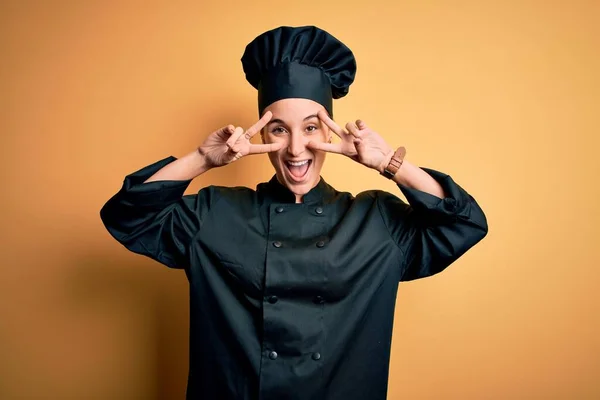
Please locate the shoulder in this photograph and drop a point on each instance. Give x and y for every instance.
(375, 195)
(384, 202)
(366, 200)
(212, 195)
(229, 193)
(366, 196)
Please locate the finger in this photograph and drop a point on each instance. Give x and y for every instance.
(353, 129)
(234, 138)
(237, 156)
(225, 132)
(331, 124)
(361, 124)
(329, 147)
(254, 129)
(265, 148)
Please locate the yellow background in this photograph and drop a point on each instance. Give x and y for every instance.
(503, 96)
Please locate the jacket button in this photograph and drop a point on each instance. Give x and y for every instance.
(319, 210)
(319, 300)
(273, 355)
(279, 210)
(272, 299)
(277, 244)
(316, 356)
(320, 243)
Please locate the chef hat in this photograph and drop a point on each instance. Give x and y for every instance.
(298, 62)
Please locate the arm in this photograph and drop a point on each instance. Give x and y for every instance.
(150, 215)
(413, 177)
(186, 168)
(440, 223)
(432, 231)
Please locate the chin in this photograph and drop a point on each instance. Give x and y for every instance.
(297, 187)
(300, 188)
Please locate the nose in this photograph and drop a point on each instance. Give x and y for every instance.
(296, 144)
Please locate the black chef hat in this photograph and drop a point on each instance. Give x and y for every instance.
(298, 62)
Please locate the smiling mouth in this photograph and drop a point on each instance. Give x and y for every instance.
(298, 169)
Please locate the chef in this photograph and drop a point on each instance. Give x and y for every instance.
(293, 283)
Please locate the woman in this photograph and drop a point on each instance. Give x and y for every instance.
(293, 285)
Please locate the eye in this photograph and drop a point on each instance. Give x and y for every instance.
(278, 130)
(311, 128)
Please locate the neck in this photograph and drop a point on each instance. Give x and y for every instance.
(299, 197)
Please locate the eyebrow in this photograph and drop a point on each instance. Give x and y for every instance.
(279, 121)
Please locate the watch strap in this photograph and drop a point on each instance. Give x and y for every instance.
(395, 163)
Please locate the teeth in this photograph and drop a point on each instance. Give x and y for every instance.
(298, 163)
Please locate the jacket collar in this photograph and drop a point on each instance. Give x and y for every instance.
(273, 189)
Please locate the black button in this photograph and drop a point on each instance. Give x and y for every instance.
(316, 356)
(273, 355)
(279, 210)
(319, 210)
(320, 243)
(277, 244)
(272, 299)
(319, 300)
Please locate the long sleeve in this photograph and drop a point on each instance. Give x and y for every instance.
(431, 232)
(156, 219)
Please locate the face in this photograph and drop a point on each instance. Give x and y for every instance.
(295, 123)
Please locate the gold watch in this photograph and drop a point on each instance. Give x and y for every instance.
(395, 163)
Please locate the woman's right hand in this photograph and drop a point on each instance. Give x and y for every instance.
(227, 144)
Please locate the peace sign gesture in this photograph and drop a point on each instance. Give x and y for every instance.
(227, 144)
(359, 143)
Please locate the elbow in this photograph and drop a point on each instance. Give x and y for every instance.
(478, 221)
(112, 217)
(481, 233)
(480, 230)
(106, 214)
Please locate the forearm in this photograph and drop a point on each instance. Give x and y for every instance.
(185, 168)
(411, 176)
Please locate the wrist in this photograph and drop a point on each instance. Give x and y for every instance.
(393, 164)
(385, 162)
(199, 162)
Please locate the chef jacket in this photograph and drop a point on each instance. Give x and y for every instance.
(287, 300)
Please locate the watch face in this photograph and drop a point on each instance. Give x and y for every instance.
(388, 174)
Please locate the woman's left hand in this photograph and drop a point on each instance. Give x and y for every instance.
(359, 142)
